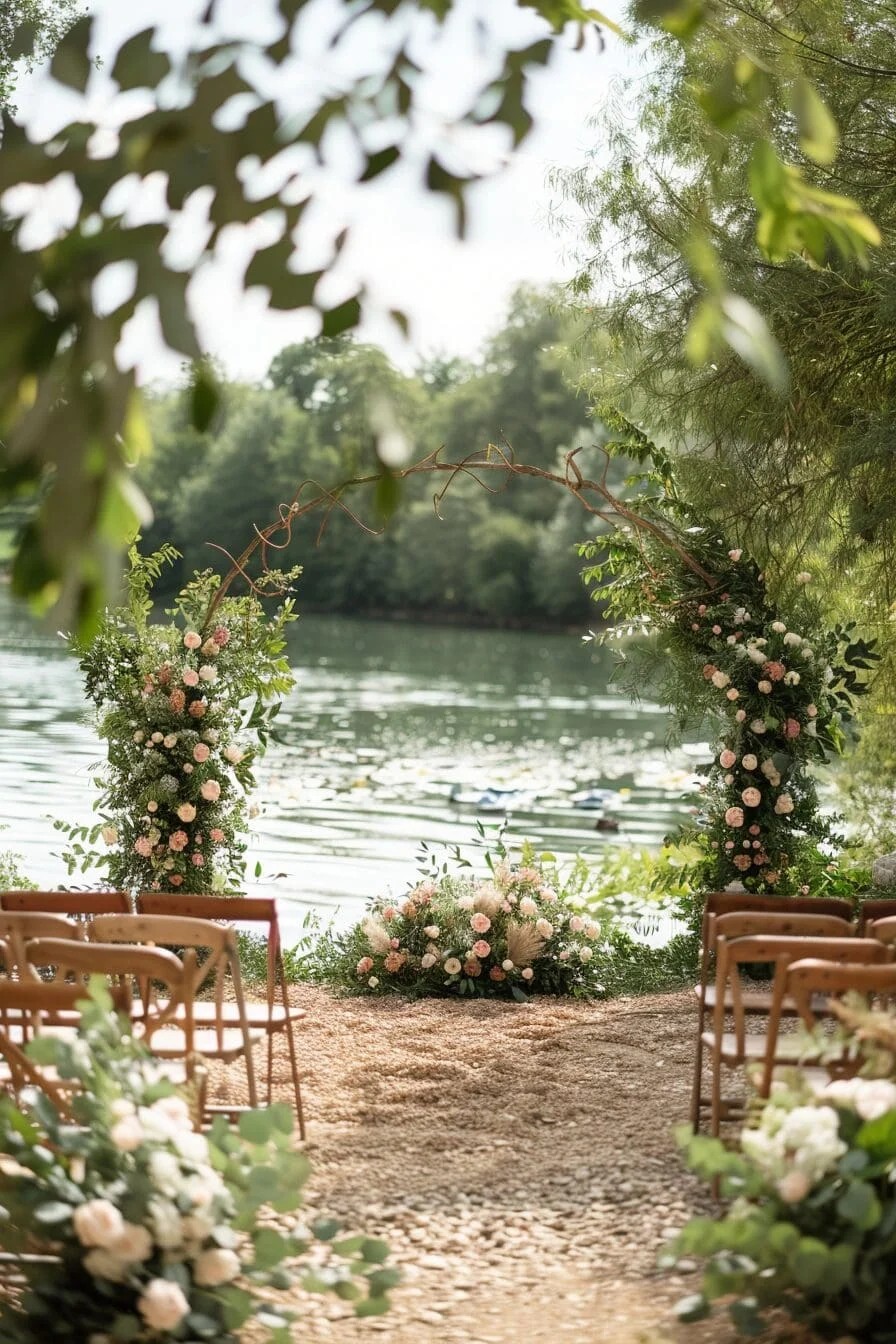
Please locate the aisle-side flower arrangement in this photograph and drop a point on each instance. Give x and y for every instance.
(812, 1229)
(761, 674)
(185, 708)
(158, 1232)
(509, 934)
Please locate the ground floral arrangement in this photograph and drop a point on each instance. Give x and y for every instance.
(507, 935)
(158, 1232)
(812, 1227)
(185, 708)
(761, 673)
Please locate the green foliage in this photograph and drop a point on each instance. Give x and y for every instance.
(812, 1230)
(186, 708)
(30, 30)
(731, 658)
(131, 1201)
(12, 878)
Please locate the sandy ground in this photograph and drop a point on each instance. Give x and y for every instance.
(518, 1159)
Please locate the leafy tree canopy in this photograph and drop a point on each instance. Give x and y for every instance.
(233, 128)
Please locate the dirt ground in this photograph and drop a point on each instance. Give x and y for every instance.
(519, 1160)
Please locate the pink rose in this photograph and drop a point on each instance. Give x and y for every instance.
(480, 923)
(178, 840)
(735, 555)
(210, 790)
(727, 759)
(717, 629)
(192, 640)
(754, 829)
(765, 687)
(791, 728)
(394, 961)
(395, 942)
(742, 861)
(197, 709)
(741, 715)
(732, 693)
(198, 861)
(481, 949)
(774, 671)
(811, 710)
(709, 671)
(143, 846)
(364, 966)
(186, 812)
(752, 797)
(472, 967)
(497, 974)
(177, 700)
(221, 636)
(389, 913)
(201, 752)
(175, 879)
(217, 835)
(190, 677)
(528, 973)
(734, 816)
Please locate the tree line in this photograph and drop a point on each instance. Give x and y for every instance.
(328, 410)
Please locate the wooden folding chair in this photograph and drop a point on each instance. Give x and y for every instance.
(875, 910)
(773, 915)
(214, 1034)
(271, 1017)
(811, 982)
(78, 903)
(735, 1048)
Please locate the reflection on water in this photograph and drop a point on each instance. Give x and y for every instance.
(394, 734)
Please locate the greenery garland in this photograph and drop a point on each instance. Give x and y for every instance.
(775, 688)
(186, 708)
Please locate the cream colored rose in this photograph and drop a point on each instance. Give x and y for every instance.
(134, 1245)
(216, 1266)
(452, 966)
(162, 1305)
(127, 1134)
(233, 754)
(97, 1223)
(102, 1264)
(110, 835)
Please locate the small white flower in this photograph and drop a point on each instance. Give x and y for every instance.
(779, 627)
(427, 960)
(507, 965)
(794, 1187)
(791, 678)
(875, 1097)
(102, 1264)
(756, 655)
(373, 982)
(749, 762)
(528, 973)
(164, 1172)
(166, 1224)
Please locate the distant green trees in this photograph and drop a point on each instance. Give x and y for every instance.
(329, 410)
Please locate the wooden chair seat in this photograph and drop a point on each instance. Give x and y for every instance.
(753, 1001)
(227, 1045)
(754, 1048)
(258, 1015)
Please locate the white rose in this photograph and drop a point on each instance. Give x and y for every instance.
(166, 1223)
(175, 1111)
(432, 930)
(794, 1187)
(233, 754)
(216, 1266)
(139, 735)
(164, 1171)
(792, 639)
(157, 737)
(779, 627)
(528, 906)
(757, 726)
(544, 927)
(592, 931)
(452, 966)
(127, 1134)
(874, 1098)
(576, 924)
(373, 982)
(134, 1245)
(162, 1305)
(121, 1107)
(507, 965)
(783, 804)
(428, 960)
(720, 679)
(208, 673)
(192, 1146)
(97, 1223)
(103, 1264)
(110, 835)
(528, 973)
(749, 762)
(585, 953)
(170, 740)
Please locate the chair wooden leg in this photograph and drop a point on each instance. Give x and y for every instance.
(697, 1090)
(270, 1078)
(296, 1079)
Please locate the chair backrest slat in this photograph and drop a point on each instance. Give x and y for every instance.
(67, 902)
(876, 909)
(810, 977)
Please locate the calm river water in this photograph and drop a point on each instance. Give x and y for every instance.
(394, 734)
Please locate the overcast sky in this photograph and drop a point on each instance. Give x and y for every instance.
(401, 239)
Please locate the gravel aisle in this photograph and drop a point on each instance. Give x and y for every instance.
(518, 1159)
